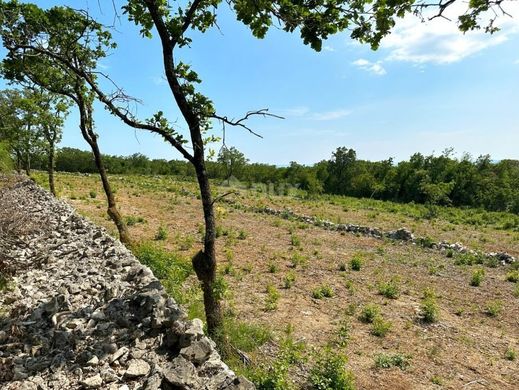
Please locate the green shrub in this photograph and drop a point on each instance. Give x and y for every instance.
(494, 308)
(271, 301)
(161, 234)
(477, 277)
(330, 373)
(380, 326)
(356, 262)
(513, 276)
(369, 313)
(510, 354)
(289, 280)
(273, 268)
(324, 291)
(392, 360)
(429, 311)
(295, 240)
(389, 289)
(92, 194)
(242, 235)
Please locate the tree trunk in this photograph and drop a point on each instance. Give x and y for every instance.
(112, 210)
(86, 126)
(28, 163)
(204, 262)
(50, 169)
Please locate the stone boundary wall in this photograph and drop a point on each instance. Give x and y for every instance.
(81, 312)
(401, 234)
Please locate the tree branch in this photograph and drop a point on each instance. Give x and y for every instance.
(241, 122)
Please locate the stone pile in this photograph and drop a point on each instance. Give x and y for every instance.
(401, 234)
(82, 313)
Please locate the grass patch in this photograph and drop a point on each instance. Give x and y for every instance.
(399, 360)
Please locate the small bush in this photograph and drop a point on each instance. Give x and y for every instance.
(389, 289)
(380, 327)
(324, 291)
(494, 308)
(477, 277)
(356, 262)
(513, 276)
(271, 301)
(295, 240)
(92, 194)
(342, 267)
(330, 373)
(242, 235)
(289, 280)
(161, 234)
(369, 313)
(392, 360)
(510, 354)
(429, 311)
(273, 268)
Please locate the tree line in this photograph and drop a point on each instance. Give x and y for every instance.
(439, 180)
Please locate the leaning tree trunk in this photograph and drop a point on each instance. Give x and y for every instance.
(204, 262)
(50, 169)
(86, 126)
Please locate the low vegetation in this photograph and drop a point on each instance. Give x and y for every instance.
(345, 294)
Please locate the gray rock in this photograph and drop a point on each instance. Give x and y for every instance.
(93, 382)
(137, 368)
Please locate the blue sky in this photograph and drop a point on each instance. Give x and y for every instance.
(427, 88)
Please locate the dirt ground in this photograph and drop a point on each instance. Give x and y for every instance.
(465, 349)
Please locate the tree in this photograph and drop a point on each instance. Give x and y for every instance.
(53, 111)
(23, 64)
(315, 20)
(232, 161)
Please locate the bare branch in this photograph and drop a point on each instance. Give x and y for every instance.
(241, 122)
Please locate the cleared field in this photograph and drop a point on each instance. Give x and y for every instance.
(406, 317)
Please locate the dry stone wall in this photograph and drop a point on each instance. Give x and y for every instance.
(82, 313)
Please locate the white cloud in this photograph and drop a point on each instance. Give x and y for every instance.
(330, 115)
(328, 48)
(439, 41)
(372, 67)
(294, 111)
(305, 113)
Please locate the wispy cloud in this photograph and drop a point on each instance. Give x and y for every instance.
(294, 111)
(330, 115)
(328, 48)
(303, 112)
(439, 41)
(372, 67)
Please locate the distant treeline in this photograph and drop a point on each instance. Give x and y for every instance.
(438, 180)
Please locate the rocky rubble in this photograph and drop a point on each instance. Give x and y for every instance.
(83, 313)
(401, 234)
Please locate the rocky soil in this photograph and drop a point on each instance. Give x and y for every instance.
(80, 311)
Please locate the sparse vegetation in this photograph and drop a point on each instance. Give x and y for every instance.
(356, 262)
(369, 313)
(477, 277)
(399, 360)
(429, 311)
(330, 372)
(323, 291)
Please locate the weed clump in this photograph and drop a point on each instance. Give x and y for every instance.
(369, 313)
(389, 289)
(330, 372)
(477, 277)
(324, 291)
(161, 234)
(356, 262)
(381, 327)
(429, 311)
(392, 360)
